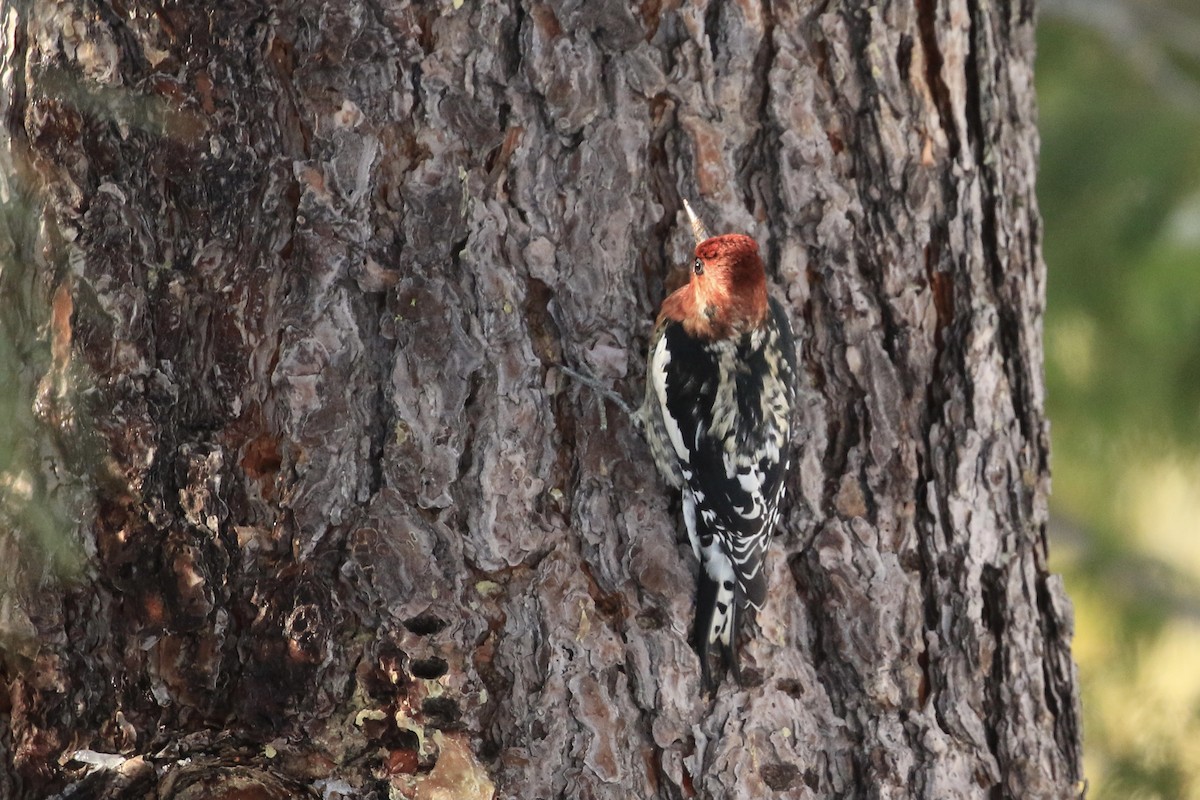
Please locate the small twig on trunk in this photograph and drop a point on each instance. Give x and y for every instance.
(600, 388)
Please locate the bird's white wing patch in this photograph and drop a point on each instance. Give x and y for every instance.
(689, 518)
(659, 362)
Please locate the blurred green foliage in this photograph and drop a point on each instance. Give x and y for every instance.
(49, 454)
(41, 493)
(1119, 189)
(1118, 167)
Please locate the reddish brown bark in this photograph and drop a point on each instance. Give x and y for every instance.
(348, 530)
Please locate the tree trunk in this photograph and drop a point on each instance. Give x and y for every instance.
(302, 274)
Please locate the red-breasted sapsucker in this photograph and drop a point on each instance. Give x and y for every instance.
(720, 386)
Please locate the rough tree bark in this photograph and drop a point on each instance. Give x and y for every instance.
(305, 269)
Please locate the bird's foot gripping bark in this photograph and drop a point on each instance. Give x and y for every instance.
(598, 387)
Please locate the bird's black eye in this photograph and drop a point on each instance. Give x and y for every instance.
(698, 267)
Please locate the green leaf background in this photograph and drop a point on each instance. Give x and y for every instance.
(1119, 190)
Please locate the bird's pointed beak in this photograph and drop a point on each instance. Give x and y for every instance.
(698, 229)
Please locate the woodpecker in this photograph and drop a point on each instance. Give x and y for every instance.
(720, 387)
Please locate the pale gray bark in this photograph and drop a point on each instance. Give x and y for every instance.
(351, 529)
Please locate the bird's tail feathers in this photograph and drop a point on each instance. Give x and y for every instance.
(718, 621)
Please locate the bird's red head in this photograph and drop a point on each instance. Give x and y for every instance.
(727, 292)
